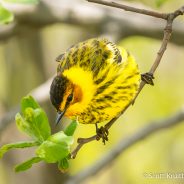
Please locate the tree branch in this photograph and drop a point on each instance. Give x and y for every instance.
(4, 121)
(131, 9)
(125, 143)
(103, 19)
(166, 38)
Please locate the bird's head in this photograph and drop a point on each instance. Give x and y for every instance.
(63, 94)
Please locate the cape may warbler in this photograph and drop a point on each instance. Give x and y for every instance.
(95, 81)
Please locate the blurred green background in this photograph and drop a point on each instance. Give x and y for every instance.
(27, 59)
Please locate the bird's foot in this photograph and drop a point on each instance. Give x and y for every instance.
(102, 133)
(147, 78)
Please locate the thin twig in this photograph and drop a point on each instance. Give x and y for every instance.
(167, 34)
(125, 143)
(52, 12)
(163, 47)
(81, 142)
(131, 9)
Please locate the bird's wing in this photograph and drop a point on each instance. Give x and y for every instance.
(92, 55)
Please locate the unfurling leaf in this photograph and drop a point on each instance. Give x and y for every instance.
(52, 152)
(22, 124)
(51, 148)
(61, 137)
(7, 147)
(27, 164)
(55, 148)
(63, 165)
(70, 129)
(34, 121)
(28, 102)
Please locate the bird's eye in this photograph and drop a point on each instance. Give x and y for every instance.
(70, 97)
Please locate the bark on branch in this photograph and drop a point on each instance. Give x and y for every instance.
(125, 143)
(103, 19)
(167, 34)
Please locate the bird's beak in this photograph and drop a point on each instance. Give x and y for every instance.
(60, 114)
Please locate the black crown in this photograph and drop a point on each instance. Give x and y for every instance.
(57, 90)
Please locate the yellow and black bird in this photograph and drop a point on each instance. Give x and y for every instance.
(95, 81)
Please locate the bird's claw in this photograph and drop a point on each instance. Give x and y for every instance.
(147, 78)
(102, 133)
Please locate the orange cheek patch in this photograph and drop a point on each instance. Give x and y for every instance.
(73, 108)
(77, 94)
(67, 93)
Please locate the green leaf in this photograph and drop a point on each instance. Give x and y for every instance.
(70, 129)
(23, 1)
(42, 123)
(38, 122)
(5, 15)
(28, 101)
(27, 164)
(23, 125)
(63, 165)
(55, 148)
(61, 137)
(52, 152)
(35, 123)
(7, 147)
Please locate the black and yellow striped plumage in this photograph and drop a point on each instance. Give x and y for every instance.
(101, 77)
